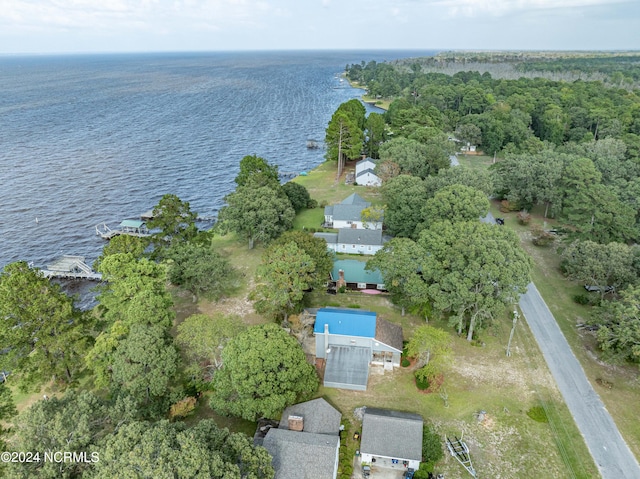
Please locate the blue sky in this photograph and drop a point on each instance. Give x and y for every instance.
(57, 26)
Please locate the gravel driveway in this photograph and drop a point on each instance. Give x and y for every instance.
(609, 450)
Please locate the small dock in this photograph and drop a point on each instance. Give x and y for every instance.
(127, 227)
(71, 267)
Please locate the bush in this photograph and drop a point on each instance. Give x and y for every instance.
(354, 306)
(538, 414)
(422, 382)
(405, 363)
(312, 204)
(581, 298)
(540, 237)
(524, 218)
(323, 203)
(507, 206)
(342, 289)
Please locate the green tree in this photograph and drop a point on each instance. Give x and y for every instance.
(404, 196)
(415, 158)
(344, 139)
(7, 412)
(298, 195)
(455, 203)
(599, 265)
(478, 179)
(372, 217)
(123, 244)
(256, 170)
(126, 279)
(43, 333)
(285, 274)
(145, 364)
(165, 450)
(200, 270)
(619, 326)
(474, 269)
(256, 214)
(375, 134)
(174, 220)
(316, 248)
(432, 349)
(203, 338)
(468, 133)
(74, 422)
(264, 371)
(398, 262)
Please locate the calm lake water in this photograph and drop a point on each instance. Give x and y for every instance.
(89, 139)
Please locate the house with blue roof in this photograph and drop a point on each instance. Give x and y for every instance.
(354, 275)
(349, 340)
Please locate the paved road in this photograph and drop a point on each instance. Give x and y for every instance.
(609, 450)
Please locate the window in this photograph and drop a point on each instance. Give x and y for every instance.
(353, 246)
(362, 285)
(344, 246)
(369, 248)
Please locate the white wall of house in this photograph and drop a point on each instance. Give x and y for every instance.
(356, 248)
(372, 225)
(366, 458)
(348, 224)
(368, 179)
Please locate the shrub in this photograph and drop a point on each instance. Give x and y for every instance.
(182, 408)
(507, 206)
(354, 306)
(312, 204)
(538, 414)
(342, 289)
(581, 298)
(422, 382)
(524, 218)
(405, 363)
(323, 203)
(540, 237)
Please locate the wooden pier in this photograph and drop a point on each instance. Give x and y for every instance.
(127, 227)
(70, 267)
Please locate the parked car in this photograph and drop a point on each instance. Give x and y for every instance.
(408, 474)
(594, 288)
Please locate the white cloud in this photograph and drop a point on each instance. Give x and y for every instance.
(472, 8)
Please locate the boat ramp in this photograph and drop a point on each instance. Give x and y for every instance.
(127, 227)
(70, 267)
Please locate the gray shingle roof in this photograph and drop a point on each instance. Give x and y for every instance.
(330, 238)
(360, 237)
(364, 172)
(392, 434)
(389, 333)
(300, 455)
(320, 417)
(348, 212)
(354, 199)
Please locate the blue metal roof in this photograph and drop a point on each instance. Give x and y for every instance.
(346, 322)
(355, 272)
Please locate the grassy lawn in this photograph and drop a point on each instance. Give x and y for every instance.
(307, 219)
(325, 189)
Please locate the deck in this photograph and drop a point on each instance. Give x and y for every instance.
(70, 267)
(127, 227)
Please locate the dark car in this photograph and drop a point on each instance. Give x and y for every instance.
(408, 474)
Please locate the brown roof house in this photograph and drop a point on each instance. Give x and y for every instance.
(391, 439)
(306, 443)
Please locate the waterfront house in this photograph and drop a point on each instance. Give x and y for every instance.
(354, 241)
(348, 214)
(365, 175)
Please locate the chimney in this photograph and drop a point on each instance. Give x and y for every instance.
(341, 280)
(296, 423)
(326, 339)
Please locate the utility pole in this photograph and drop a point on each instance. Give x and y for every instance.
(513, 328)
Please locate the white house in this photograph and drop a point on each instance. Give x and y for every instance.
(354, 241)
(365, 175)
(348, 214)
(391, 439)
